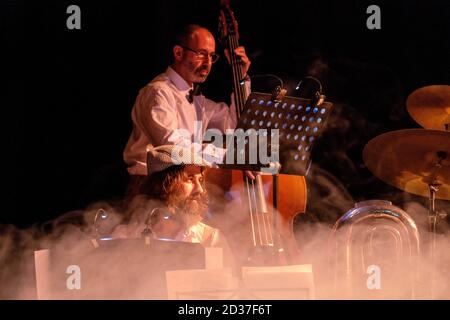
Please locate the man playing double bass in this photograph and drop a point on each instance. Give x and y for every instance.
(168, 103)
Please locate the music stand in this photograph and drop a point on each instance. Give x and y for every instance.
(299, 124)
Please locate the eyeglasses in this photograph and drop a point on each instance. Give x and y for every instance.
(201, 55)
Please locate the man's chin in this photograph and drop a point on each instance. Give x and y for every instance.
(201, 78)
(194, 212)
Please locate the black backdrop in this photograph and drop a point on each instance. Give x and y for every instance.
(69, 93)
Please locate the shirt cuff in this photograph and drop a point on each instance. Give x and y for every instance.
(213, 154)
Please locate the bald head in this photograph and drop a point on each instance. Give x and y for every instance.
(192, 53)
(185, 35)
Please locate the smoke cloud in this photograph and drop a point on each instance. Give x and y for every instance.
(366, 104)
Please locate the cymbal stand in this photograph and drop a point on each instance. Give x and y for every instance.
(433, 188)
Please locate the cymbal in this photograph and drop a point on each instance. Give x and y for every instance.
(406, 159)
(430, 106)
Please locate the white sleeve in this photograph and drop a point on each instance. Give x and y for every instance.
(157, 117)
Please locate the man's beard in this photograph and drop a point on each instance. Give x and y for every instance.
(193, 209)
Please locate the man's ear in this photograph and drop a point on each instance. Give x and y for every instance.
(178, 53)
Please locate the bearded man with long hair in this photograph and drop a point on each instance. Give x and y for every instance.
(172, 202)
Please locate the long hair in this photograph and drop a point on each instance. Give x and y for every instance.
(165, 189)
(165, 186)
(156, 190)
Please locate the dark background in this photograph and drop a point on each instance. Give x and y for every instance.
(69, 93)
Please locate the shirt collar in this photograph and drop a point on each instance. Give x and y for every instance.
(177, 80)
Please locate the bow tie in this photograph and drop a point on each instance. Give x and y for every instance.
(193, 92)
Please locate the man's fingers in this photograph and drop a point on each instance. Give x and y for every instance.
(240, 51)
(243, 58)
(250, 175)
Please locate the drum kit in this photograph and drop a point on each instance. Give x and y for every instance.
(418, 160)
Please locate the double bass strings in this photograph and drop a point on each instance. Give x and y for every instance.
(262, 218)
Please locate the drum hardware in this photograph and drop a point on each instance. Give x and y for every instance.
(430, 107)
(415, 161)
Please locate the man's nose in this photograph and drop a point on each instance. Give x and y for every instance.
(198, 186)
(209, 59)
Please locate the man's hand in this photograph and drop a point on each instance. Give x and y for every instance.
(245, 61)
(250, 174)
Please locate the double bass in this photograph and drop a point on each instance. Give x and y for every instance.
(272, 201)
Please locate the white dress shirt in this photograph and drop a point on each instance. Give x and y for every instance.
(162, 109)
